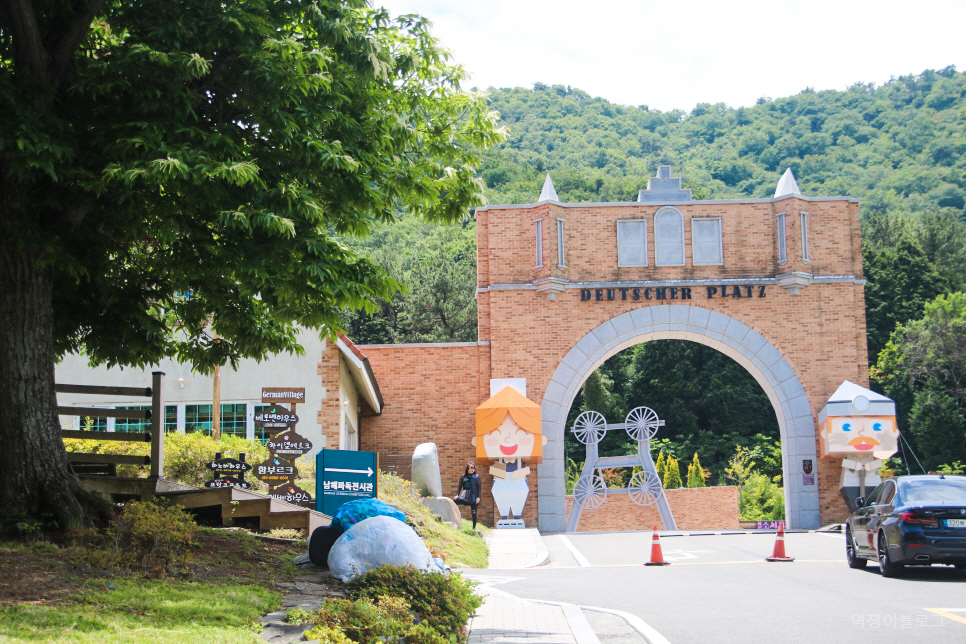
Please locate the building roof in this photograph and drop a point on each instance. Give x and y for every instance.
(361, 372)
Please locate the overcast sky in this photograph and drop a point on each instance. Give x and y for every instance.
(677, 53)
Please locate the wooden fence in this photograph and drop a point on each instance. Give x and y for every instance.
(154, 416)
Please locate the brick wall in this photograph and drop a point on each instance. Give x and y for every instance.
(431, 391)
(703, 508)
(820, 331)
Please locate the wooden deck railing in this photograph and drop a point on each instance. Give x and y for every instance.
(154, 416)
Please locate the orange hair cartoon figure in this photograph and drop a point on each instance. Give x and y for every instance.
(509, 433)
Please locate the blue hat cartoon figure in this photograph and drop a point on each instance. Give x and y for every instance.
(509, 433)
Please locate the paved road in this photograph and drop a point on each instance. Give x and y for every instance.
(720, 590)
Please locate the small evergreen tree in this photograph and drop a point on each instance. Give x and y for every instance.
(695, 473)
(672, 474)
(660, 466)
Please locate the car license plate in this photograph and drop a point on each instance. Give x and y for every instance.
(955, 523)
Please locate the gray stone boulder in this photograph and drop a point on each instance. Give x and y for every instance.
(446, 509)
(426, 470)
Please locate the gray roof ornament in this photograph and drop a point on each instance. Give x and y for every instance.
(787, 185)
(664, 189)
(548, 193)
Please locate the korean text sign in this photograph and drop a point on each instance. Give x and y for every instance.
(342, 476)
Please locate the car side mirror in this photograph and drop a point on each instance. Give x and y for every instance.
(859, 501)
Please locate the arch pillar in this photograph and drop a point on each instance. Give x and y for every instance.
(697, 324)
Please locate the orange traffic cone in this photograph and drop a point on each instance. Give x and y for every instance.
(657, 557)
(779, 552)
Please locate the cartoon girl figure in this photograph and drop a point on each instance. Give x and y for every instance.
(509, 433)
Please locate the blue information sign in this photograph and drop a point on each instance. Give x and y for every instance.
(342, 476)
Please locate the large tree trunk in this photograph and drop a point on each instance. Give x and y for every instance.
(35, 475)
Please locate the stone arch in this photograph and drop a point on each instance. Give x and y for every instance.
(682, 322)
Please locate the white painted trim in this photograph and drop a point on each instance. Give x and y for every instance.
(369, 392)
(429, 344)
(659, 204)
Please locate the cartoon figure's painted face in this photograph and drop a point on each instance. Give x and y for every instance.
(508, 441)
(873, 435)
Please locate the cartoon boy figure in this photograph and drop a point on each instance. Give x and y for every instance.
(509, 433)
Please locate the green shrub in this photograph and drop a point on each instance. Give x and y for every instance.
(761, 499)
(695, 473)
(423, 633)
(151, 536)
(364, 620)
(444, 602)
(661, 466)
(672, 474)
(186, 456)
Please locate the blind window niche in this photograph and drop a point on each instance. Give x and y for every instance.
(668, 238)
(539, 242)
(632, 243)
(706, 247)
(782, 242)
(804, 217)
(561, 257)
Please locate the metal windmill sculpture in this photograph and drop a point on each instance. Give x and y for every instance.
(645, 487)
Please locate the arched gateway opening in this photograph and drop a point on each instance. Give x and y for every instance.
(716, 330)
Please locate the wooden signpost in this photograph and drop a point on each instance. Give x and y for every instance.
(234, 468)
(284, 445)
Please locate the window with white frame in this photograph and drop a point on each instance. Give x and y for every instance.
(804, 216)
(539, 240)
(782, 243)
(632, 243)
(706, 241)
(561, 258)
(668, 237)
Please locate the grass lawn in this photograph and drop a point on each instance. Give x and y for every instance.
(50, 593)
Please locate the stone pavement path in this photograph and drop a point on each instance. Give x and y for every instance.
(505, 619)
(305, 592)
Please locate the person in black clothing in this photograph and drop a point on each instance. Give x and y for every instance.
(468, 491)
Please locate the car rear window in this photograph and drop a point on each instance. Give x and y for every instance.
(950, 490)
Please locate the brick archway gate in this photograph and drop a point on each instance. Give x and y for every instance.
(682, 322)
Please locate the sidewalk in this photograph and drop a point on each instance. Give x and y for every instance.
(505, 619)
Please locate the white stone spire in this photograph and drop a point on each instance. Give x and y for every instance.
(787, 185)
(548, 193)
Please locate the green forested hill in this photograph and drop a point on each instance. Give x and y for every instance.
(898, 147)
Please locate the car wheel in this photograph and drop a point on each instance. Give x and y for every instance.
(851, 556)
(887, 567)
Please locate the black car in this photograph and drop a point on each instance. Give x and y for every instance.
(909, 520)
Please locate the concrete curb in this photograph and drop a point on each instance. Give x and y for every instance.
(543, 555)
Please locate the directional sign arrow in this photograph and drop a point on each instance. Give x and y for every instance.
(367, 471)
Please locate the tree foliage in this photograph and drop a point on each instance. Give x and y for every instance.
(194, 172)
(171, 168)
(898, 147)
(923, 368)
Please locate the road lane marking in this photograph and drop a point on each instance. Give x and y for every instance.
(581, 559)
(677, 555)
(722, 563)
(831, 534)
(944, 612)
(638, 624)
